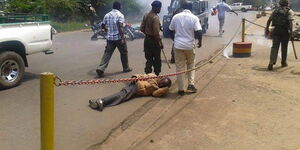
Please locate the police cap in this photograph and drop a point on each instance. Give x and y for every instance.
(156, 4)
(283, 2)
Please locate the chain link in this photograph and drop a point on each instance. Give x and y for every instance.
(58, 82)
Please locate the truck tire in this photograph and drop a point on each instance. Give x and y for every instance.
(243, 9)
(12, 69)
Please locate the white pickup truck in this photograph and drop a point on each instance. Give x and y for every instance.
(241, 7)
(17, 40)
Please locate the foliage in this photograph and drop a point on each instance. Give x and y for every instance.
(28, 6)
(67, 10)
(61, 10)
(68, 26)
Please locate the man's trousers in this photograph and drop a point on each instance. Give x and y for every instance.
(152, 54)
(185, 59)
(109, 50)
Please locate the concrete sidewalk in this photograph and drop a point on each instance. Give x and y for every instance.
(240, 105)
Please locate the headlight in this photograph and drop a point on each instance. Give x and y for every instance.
(168, 20)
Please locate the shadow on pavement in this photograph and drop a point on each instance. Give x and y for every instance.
(30, 76)
(106, 75)
(295, 73)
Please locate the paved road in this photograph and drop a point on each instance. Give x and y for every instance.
(75, 58)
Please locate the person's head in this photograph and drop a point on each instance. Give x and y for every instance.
(164, 82)
(188, 5)
(224, 1)
(117, 5)
(156, 6)
(283, 2)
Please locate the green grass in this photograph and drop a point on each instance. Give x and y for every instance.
(69, 26)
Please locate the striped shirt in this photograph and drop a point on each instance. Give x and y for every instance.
(110, 20)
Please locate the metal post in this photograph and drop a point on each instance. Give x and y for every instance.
(47, 110)
(243, 30)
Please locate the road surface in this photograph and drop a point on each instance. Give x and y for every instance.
(75, 58)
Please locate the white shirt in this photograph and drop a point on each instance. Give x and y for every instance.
(222, 8)
(185, 24)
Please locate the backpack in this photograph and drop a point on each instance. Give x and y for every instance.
(280, 18)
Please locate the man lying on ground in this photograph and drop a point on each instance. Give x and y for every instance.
(152, 87)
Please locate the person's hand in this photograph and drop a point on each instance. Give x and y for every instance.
(123, 41)
(267, 32)
(161, 45)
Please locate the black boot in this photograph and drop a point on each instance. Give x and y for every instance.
(270, 67)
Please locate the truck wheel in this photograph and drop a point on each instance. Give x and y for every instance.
(243, 10)
(11, 69)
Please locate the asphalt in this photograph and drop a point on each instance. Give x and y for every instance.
(240, 105)
(75, 58)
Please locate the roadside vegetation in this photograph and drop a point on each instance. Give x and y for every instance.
(68, 15)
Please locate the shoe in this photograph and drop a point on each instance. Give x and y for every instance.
(127, 70)
(284, 65)
(192, 88)
(96, 104)
(181, 93)
(270, 67)
(172, 61)
(100, 73)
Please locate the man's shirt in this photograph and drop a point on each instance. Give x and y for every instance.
(110, 20)
(222, 8)
(185, 24)
(151, 25)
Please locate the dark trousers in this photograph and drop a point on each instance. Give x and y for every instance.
(282, 38)
(172, 54)
(124, 95)
(109, 50)
(152, 55)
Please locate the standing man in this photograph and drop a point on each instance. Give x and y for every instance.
(222, 7)
(114, 22)
(281, 19)
(178, 10)
(152, 44)
(187, 27)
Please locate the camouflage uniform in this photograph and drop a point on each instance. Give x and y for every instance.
(281, 19)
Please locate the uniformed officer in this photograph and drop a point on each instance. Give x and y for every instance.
(281, 19)
(152, 44)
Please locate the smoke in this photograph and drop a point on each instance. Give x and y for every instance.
(146, 6)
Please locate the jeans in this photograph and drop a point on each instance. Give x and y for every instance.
(124, 95)
(109, 50)
(221, 24)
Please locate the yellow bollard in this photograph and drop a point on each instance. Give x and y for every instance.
(243, 30)
(47, 110)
